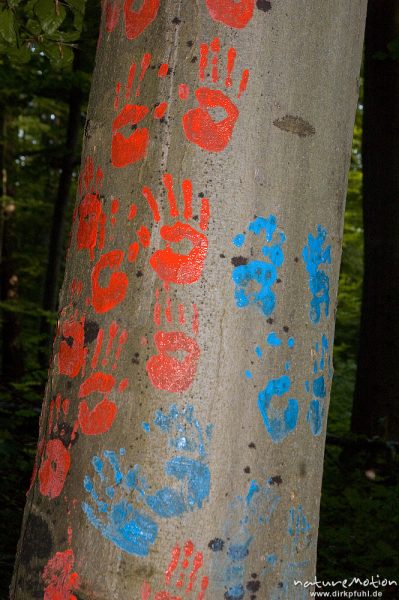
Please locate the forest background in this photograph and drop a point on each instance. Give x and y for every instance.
(46, 61)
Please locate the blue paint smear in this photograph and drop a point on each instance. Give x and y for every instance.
(316, 411)
(258, 351)
(315, 255)
(291, 342)
(255, 280)
(273, 339)
(146, 427)
(271, 559)
(248, 374)
(298, 525)
(279, 423)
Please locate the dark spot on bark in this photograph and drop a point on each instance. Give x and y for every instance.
(176, 21)
(68, 340)
(38, 542)
(201, 195)
(64, 433)
(194, 59)
(270, 320)
(252, 445)
(68, 384)
(295, 125)
(87, 133)
(278, 280)
(190, 43)
(133, 127)
(222, 255)
(91, 329)
(280, 584)
(276, 479)
(247, 470)
(263, 5)
(286, 329)
(135, 361)
(239, 260)
(139, 274)
(216, 545)
(195, 217)
(296, 259)
(302, 469)
(253, 586)
(254, 575)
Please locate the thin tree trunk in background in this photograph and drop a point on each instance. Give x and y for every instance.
(376, 400)
(183, 430)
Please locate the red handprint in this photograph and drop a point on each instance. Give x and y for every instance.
(234, 13)
(59, 577)
(90, 210)
(199, 126)
(176, 267)
(185, 583)
(136, 21)
(167, 370)
(126, 150)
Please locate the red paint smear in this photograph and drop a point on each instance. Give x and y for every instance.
(168, 310)
(167, 180)
(182, 318)
(184, 91)
(244, 83)
(123, 385)
(54, 469)
(215, 47)
(112, 13)
(152, 203)
(127, 150)
(117, 93)
(233, 13)
(133, 252)
(205, 213)
(90, 214)
(132, 212)
(160, 110)
(59, 578)
(143, 341)
(203, 61)
(198, 562)
(88, 172)
(145, 591)
(96, 382)
(201, 129)
(99, 420)
(114, 206)
(188, 199)
(136, 21)
(65, 406)
(188, 548)
(204, 587)
(113, 330)
(97, 350)
(231, 57)
(167, 372)
(130, 79)
(122, 341)
(173, 564)
(144, 236)
(173, 267)
(163, 70)
(72, 352)
(145, 63)
(195, 319)
(105, 298)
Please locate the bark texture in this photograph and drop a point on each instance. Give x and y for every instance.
(182, 435)
(376, 400)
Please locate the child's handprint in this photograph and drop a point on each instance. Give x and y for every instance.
(254, 279)
(178, 267)
(90, 210)
(321, 368)
(126, 150)
(187, 583)
(314, 255)
(199, 126)
(115, 517)
(279, 422)
(174, 366)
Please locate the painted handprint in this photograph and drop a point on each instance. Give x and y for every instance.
(199, 126)
(322, 368)
(254, 279)
(90, 231)
(174, 366)
(59, 578)
(279, 421)
(136, 20)
(172, 266)
(186, 435)
(115, 516)
(315, 254)
(132, 147)
(186, 564)
(234, 13)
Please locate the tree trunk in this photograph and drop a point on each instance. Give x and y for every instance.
(183, 430)
(376, 399)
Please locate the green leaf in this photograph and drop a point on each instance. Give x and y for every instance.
(60, 56)
(19, 55)
(50, 14)
(34, 26)
(7, 26)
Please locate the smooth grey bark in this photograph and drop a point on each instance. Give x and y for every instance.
(287, 162)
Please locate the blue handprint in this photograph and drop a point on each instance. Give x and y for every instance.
(316, 411)
(314, 255)
(279, 423)
(255, 279)
(185, 434)
(118, 520)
